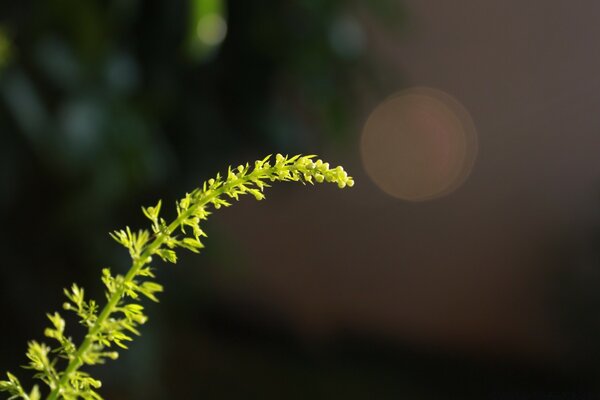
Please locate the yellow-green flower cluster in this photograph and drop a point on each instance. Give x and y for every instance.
(122, 315)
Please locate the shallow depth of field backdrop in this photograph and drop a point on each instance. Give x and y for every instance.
(465, 261)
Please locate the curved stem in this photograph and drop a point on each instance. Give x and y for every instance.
(77, 361)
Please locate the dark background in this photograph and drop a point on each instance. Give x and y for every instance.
(492, 291)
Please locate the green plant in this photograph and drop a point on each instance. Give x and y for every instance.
(114, 324)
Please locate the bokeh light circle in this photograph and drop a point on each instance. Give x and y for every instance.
(419, 144)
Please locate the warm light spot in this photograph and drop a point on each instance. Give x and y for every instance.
(419, 144)
(211, 29)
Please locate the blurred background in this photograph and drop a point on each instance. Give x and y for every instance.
(465, 263)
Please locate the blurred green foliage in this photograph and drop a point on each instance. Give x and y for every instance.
(117, 97)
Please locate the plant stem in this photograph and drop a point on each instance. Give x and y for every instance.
(77, 361)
